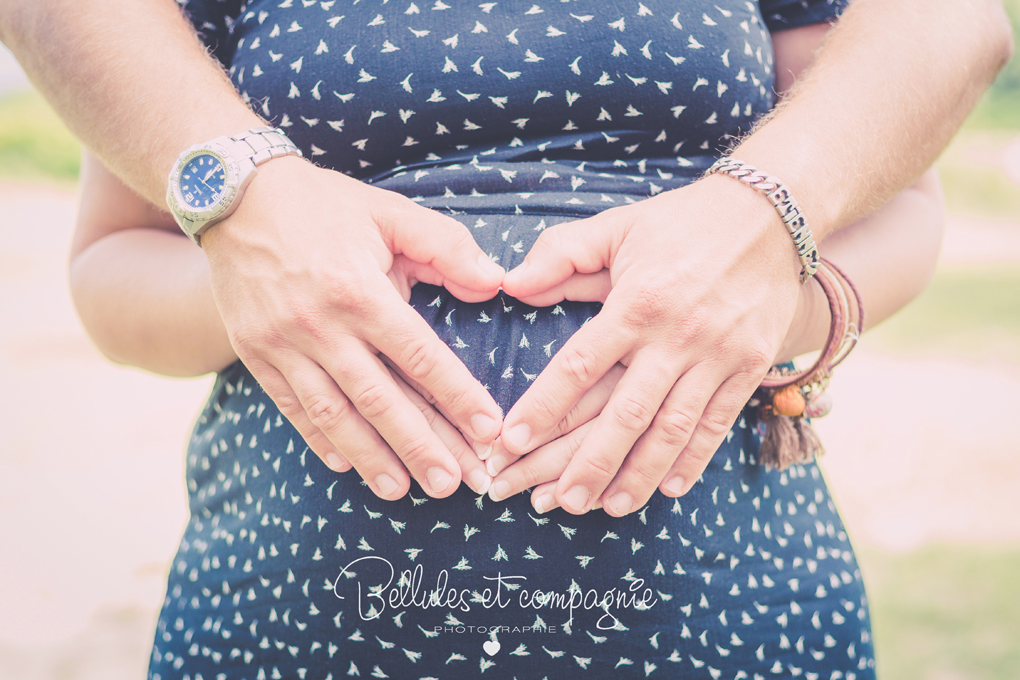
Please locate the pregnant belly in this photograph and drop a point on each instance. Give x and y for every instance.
(506, 206)
(504, 342)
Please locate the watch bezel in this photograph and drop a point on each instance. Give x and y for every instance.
(201, 219)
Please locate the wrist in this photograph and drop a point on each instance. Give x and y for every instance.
(209, 181)
(782, 200)
(785, 154)
(266, 188)
(809, 327)
(748, 209)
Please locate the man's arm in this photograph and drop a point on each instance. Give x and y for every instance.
(130, 79)
(888, 91)
(698, 311)
(300, 271)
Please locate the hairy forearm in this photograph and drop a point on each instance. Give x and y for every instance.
(82, 54)
(888, 90)
(145, 299)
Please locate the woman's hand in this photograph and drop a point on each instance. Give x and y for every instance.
(704, 287)
(308, 276)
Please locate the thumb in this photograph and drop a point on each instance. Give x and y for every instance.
(445, 245)
(584, 247)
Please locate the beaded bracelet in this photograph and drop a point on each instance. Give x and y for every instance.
(787, 399)
(779, 196)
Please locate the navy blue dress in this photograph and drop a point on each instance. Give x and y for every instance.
(512, 117)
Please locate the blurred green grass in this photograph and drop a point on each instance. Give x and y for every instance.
(34, 143)
(972, 177)
(968, 311)
(945, 611)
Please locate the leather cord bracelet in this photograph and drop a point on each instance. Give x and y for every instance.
(787, 399)
(781, 199)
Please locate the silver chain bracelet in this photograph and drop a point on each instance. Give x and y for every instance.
(779, 196)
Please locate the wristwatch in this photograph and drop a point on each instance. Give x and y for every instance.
(208, 179)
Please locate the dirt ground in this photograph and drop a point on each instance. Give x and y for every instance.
(91, 456)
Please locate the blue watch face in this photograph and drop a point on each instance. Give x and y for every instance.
(202, 181)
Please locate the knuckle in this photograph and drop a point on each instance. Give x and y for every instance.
(633, 415)
(650, 303)
(716, 424)
(643, 474)
(569, 423)
(698, 456)
(600, 466)
(350, 293)
(548, 239)
(580, 366)
(301, 319)
(327, 413)
(288, 405)
(248, 341)
(431, 417)
(544, 411)
(533, 474)
(744, 355)
(759, 359)
(419, 359)
(676, 427)
(373, 402)
(415, 452)
(460, 238)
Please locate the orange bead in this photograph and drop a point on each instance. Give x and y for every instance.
(789, 401)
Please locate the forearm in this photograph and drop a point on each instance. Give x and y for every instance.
(145, 299)
(890, 256)
(83, 55)
(888, 90)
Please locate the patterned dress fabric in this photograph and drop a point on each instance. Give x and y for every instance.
(511, 117)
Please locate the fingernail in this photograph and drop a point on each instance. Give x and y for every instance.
(488, 266)
(483, 451)
(482, 425)
(521, 267)
(519, 435)
(334, 462)
(543, 503)
(385, 484)
(675, 485)
(495, 465)
(438, 479)
(621, 503)
(479, 481)
(499, 490)
(577, 497)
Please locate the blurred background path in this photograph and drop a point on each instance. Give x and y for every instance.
(923, 448)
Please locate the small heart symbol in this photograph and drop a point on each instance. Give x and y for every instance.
(491, 647)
